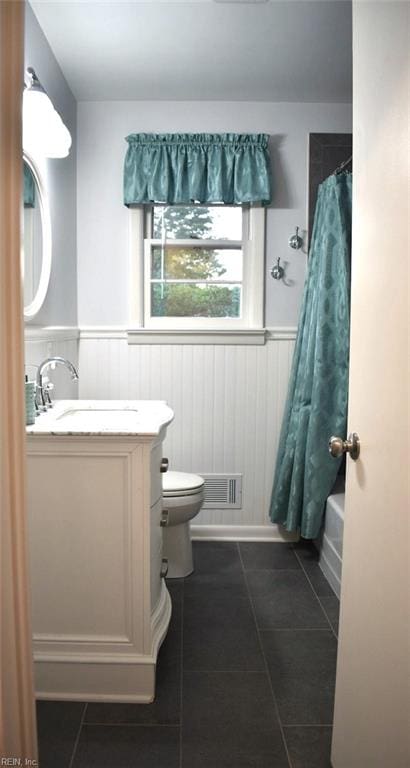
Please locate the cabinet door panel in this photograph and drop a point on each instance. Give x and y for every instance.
(80, 550)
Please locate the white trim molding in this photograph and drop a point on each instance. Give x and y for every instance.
(198, 336)
(244, 336)
(51, 333)
(271, 532)
(281, 334)
(103, 332)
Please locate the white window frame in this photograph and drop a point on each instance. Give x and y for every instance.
(253, 245)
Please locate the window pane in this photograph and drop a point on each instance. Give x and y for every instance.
(215, 222)
(188, 300)
(178, 263)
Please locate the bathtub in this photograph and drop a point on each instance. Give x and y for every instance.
(331, 539)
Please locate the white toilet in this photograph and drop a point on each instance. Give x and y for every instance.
(182, 498)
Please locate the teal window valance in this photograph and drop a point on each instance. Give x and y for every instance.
(29, 187)
(186, 168)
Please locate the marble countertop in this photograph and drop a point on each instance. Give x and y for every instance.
(103, 417)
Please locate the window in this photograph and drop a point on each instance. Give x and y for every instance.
(198, 266)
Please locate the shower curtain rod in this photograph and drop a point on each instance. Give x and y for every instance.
(342, 166)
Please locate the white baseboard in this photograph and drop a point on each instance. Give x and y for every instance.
(95, 681)
(242, 533)
(83, 675)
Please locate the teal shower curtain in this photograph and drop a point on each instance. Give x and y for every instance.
(316, 406)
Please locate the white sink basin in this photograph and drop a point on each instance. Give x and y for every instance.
(103, 417)
(99, 418)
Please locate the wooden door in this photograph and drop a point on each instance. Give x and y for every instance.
(372, 691)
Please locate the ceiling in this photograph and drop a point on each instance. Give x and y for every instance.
(202, 50)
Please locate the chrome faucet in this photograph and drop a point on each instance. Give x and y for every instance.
(43, 398)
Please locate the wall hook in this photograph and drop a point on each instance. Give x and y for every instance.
(277, 271)
(296, 241)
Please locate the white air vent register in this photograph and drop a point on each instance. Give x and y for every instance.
(222, 491)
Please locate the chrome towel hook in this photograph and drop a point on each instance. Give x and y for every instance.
(277, 271)
(296, 241)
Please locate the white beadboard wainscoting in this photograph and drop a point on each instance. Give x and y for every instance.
(41, 343)
(228, 400)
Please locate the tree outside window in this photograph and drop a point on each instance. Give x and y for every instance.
(191, 276)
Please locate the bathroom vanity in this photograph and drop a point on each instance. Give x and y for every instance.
(99, 600)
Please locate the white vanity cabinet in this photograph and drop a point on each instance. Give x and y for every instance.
(99, 602)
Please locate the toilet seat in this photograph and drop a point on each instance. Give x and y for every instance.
(176, 484)
(183, 495)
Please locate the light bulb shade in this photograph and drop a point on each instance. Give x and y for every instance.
(44, 132)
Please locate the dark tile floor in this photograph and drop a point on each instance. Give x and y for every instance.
(245, 675)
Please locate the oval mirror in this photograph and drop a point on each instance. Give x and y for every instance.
(35, 239)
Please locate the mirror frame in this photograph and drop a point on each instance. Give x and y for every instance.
(35, 305)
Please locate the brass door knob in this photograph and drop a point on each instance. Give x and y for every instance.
(338, 446)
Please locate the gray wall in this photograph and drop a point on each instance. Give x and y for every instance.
(103, 248)
(98, 273)
(60, 306)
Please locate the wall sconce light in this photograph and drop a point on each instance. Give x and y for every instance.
(43, 129)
